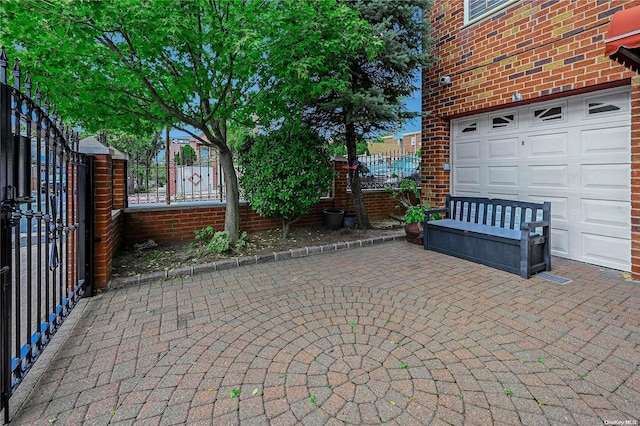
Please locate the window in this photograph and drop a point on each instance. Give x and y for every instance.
(604, 105)
(477, 9)
(468, 127)
(542, 115)
(503, 121)
(413, 141)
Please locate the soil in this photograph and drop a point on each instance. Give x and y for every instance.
(131, 261)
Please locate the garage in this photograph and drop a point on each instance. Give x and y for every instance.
(574, 152)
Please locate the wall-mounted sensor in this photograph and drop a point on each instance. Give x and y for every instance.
(516, 97)
(445, 81)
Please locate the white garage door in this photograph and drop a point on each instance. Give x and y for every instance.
(574, 152)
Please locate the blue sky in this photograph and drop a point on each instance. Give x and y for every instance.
(413, 104)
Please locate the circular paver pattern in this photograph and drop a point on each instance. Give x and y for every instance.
(359, 369)
(332, 341)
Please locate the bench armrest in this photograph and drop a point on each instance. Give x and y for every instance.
(533, 225)
(429, 212)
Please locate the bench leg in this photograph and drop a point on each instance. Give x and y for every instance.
(525, 266)
(425, 236)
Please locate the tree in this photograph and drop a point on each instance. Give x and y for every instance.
(187, 156)
(141, 149)
(196, 65)
(372, 102)
(285, 172)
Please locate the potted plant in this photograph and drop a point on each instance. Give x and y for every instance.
(414, 224)
(414, 213)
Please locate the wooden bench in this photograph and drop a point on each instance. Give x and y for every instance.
(504, 234)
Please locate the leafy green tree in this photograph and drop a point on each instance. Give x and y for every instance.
(373, 100)
(285, 172)
(187, 156)
(141, 149)
(200, 66)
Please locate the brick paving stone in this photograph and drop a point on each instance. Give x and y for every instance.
(152, 409)
(201, 412)
(175, 414)
(474, 415)
(171, 351)
(126, 412)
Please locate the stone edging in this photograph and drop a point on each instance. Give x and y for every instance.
(249, 260)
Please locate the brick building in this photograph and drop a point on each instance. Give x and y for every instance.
(523, 104)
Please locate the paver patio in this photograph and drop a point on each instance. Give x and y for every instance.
(384, 334)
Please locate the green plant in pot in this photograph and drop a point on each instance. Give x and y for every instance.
(414, 224)
(414, 214)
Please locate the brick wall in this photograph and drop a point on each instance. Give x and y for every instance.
(635, 178)
(539, 48)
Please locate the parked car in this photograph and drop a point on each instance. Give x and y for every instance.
(407, 167)
(373, 173)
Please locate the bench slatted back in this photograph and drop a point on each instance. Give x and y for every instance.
(495, 212)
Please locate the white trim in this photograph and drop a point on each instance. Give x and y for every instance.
(497, 9)
(629, 34)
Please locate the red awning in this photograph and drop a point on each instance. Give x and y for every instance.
(623, 38)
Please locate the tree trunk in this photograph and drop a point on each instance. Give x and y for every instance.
(286, 226)
(351, 140)
(232, 215)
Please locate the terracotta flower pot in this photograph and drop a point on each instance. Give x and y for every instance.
(414, 232)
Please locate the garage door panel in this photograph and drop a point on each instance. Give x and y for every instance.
(607, 213)
(504, 195)
(502, 149)
(467, 151)
(606, 105)
(548, 176)
(559, 242)
(605, 250)
(559, 205)
(502, 176)
(467, 175)
(605, 141)
(574, 152)
(606, 177)
(463, 193)
(550, 145)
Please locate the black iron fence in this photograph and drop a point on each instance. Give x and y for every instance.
(151, 180)
(44, 226)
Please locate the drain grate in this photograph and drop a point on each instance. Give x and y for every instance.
(553, 278)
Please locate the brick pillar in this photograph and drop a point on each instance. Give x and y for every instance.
(119, 183)
(435, 153)
(71, 219)
(635, 178)
(103, 205)
(341, 198)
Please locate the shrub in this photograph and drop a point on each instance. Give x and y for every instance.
(286, 172)
(218, 242)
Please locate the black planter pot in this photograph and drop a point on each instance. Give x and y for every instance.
(349, 219)
(332, 218)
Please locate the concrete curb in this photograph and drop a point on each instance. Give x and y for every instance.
(249, 260)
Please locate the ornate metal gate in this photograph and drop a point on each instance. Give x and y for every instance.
(44, 238)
